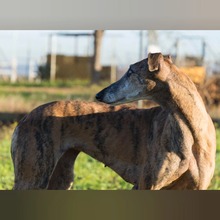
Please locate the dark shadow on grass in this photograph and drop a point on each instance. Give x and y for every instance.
(8, 117)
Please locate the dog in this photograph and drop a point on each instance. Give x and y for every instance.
(171, 146)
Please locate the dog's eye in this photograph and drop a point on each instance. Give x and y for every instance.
(130, 72)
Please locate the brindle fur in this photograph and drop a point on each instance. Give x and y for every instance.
(166, 147)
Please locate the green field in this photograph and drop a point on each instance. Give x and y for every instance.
(25, 97)
(22, 98)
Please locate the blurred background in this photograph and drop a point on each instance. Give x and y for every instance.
(43, 66)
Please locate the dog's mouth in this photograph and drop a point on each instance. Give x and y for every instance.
(118, 102)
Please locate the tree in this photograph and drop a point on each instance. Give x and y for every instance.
(96, 64)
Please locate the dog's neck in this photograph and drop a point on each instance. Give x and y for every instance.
(185, 102)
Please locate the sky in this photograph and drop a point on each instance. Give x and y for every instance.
(120, 47)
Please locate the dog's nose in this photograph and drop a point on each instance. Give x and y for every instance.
(98, 96)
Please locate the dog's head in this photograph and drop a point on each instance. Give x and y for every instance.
(143, 80)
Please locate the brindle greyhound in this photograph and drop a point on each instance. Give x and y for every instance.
(168, 147)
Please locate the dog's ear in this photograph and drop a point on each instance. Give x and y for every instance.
(154, 61)
(168, 57)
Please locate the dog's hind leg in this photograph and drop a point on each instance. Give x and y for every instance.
(63, 176)
(33, 159)
(32, 171)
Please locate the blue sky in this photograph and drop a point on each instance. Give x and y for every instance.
(119, 47)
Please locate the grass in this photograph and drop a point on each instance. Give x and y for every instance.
(24, 99)
(215, 184)
(6, 168)
(45, 83)
(91, 174)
